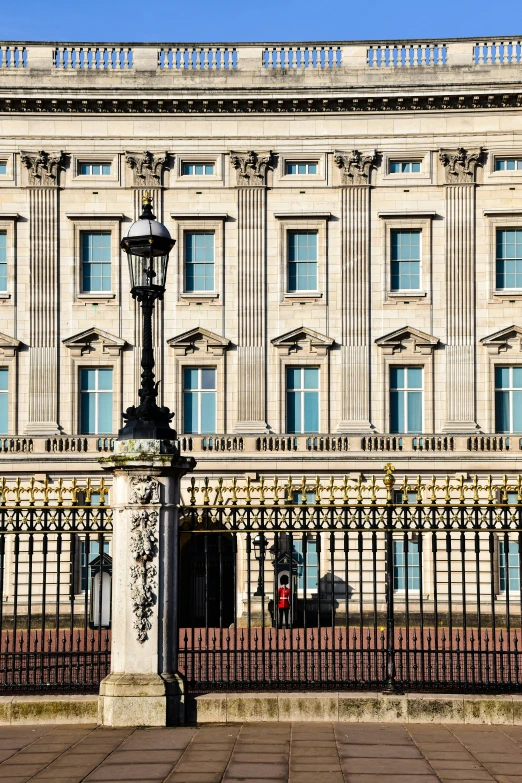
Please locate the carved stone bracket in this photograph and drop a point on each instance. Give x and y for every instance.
(144, 489)
(148, 167)
(355, 167)
(460, 165)
(43, 167)
(144, 547)
(251, 167)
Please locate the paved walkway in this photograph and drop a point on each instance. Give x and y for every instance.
(261, 753)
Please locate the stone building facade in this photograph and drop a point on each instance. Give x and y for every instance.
(346, 284)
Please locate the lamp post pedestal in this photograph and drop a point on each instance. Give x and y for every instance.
(144, 688)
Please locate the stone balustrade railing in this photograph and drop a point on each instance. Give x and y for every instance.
(227, 57)
(214, 446)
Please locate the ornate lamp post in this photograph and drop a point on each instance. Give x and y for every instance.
(260, 543)
(147, 244)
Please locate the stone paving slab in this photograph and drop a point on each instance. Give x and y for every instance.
(304, 752)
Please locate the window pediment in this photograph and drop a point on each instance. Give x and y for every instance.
(509, 339)
(199, 340)
(303, 340)
(407, 340)
(8, 345)
(94, 341)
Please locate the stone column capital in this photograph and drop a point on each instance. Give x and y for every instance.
(251, 167)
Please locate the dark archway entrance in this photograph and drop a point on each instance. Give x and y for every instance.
(207, 580)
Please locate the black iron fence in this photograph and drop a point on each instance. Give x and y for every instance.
(55, 588)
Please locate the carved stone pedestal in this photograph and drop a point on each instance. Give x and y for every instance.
(143, 688)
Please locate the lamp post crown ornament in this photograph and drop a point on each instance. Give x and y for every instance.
(147, 244)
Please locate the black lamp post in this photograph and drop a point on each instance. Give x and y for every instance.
(147, 244)
(260, 543)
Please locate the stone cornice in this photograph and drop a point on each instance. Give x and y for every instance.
(258, 103)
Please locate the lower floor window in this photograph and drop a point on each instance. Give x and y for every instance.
(508, 399)
(302, 399)
(4, 402)
(406, 565)
(199, 400)
(96, 401)
(312, 565)
(406, 390)
(509, 566)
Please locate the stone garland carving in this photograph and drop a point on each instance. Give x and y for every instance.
(355, 167)
(251, 166)
(144, 489)
(144, 547)
(43, 166)
(148, 167)
(460, 165)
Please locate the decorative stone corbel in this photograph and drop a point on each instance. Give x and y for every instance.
(460, 165)
(355, 167)
(44, 167)
(148, 167)
(251, 167)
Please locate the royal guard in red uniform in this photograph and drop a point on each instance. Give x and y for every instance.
(283, 601)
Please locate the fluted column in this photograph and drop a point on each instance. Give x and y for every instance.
(43, 172)
(251, 352)
(355, 290)
(460, 166)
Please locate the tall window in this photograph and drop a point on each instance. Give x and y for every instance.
(508, 164)
(3, 261)
(96, 262)
(508, 566)
(406, 399)
(3, 169)
(302, 399)
(508, 399)
(405, 260)
(95, 169)
(199, 262)
(509, 258)
(405, 166)
(301, 168)
(4, 402)
(198, 169)
(403, 571)
(302, 261)
(96, 401)
(199, 399)
(312, 564)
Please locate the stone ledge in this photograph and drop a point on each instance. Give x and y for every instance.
(17, 710)
(359, 707)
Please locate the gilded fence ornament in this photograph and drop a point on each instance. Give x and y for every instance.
(345, 489)
(389, 481)
(373, 490)
(476, 489)
(331, 490)
(317, 490)
(219, 491)
(504, 489)
(262, 490)
(275, 490)
(192, 491)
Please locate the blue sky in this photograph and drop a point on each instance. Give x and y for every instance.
(270, 20)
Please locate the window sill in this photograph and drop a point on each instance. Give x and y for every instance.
(199, 298)
(305, 297)
(507, 295)
(96, 297)
(395, 297)
(4, 295)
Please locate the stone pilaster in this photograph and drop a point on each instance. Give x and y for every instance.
(355, 290)
(459, 168)
(251, 352)
(43, 178)
(143, 688)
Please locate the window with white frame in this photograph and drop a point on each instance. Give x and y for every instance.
(509, 258)
(4, 401)
(405, 166)
(406, 399)
(95, 169)
(199, 261)
(96, 401)
(406, 564)
(508, 399)
(199, 169)
(302, 261)
(302, 399)
(302, 167)
(199, 400)
(508, 566)
(311, 560)
(3, 169)
(96, 262)
(405, 245)
(3, 261)
(508, 164)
